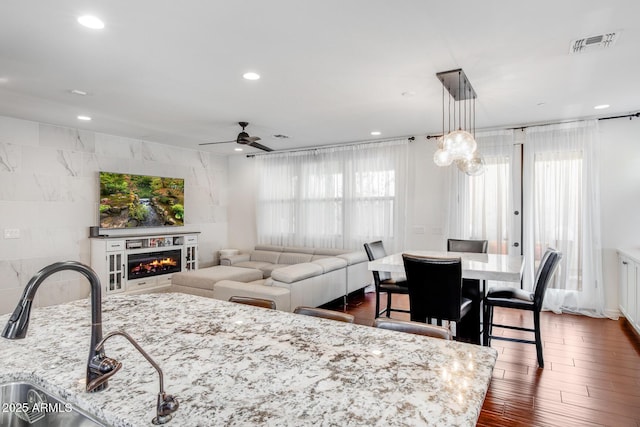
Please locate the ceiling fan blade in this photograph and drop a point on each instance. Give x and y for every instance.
(212, 143)
(260, 146)
(249, 139)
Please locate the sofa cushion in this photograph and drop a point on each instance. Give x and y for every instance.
(354, 257)
(265, 256)
(206, 278)
(296, 272)
(268, 269)
(329, 251)
(272, 248)
(258, 265)
(330, 263)
(299, 249)
(293, 258)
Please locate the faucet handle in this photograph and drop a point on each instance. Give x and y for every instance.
(167, 405)
(101, 368)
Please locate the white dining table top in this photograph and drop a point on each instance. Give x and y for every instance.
(505, 268)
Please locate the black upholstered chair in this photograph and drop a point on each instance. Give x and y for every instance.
(519, 299)
(383, 280)
(257, 302)
(470, 288)
(435, 289)
(413, 328)
(325, 314)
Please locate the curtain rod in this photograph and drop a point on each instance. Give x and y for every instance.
(320, 147)
(630, 116)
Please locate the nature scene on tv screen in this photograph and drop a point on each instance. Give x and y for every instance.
(128, 201)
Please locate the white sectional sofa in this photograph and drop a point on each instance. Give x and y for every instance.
(291, 276)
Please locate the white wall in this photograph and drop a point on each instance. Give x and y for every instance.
(242, 202)
(49, 192)
(620, 195)
(428, 201)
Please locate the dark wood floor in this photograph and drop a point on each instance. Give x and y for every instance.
(591, 375)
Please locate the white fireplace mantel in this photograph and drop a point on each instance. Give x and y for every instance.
(110, 259)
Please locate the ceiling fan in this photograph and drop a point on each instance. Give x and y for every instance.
(243, 139)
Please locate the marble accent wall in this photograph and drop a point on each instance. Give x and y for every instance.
(49, 192)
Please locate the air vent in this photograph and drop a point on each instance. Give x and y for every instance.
(597, 42)
(280, 136)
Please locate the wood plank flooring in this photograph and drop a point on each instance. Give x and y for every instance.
(591, 375)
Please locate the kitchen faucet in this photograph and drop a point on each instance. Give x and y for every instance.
(167, 404)
(99, 367)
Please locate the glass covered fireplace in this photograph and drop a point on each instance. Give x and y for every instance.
(153, 263)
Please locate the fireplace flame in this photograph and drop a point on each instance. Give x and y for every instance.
(154, 265)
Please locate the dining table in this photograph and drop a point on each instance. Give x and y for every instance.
(480, 267)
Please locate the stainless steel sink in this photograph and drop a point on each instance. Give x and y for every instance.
(24, 404)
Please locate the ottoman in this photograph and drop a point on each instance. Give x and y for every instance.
(201, 282)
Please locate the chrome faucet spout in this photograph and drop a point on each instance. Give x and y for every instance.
(18, 324)
(167, 404)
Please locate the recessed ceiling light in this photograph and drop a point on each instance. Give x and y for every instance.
(376, 133)
(84, 118)
(91, 21)
(237, 149)
(251, 76)
(601, 106)
(79, 92)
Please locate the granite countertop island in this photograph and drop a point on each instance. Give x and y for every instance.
(231, 364)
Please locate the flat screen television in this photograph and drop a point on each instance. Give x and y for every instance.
(129, 201)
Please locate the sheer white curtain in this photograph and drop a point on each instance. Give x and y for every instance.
(336, 197)
(561, 210)
(483, 204)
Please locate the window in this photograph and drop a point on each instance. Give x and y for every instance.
(336, 198)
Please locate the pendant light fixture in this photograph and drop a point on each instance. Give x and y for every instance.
(458, 145)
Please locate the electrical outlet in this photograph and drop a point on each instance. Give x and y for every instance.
(11, 233)
(418, 229)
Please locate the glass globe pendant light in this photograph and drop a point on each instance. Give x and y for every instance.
(459, 145)
(472, 166)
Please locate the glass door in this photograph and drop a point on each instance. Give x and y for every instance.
(489, 206)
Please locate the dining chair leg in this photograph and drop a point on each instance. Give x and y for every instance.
(389, 304)
(536, 326)
(487, 325)
(377, 314)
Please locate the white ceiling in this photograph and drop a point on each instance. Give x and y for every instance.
(332, 70)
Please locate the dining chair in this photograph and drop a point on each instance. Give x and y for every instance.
(471, 287)
(435, 289)
(383, 280)
(460, 245)
(413, 328)
(325, 314)
(519, 299)
(257, 302)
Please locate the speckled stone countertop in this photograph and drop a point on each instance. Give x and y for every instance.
(231, 364)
